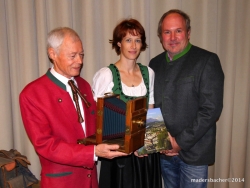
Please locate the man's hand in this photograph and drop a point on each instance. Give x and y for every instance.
(108, 151)
(175, 147)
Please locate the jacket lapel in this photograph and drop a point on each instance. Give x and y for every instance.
(66, 105)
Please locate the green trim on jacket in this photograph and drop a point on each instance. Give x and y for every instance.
(55, 80)
(180, 54)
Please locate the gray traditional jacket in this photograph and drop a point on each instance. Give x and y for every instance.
(189, 91)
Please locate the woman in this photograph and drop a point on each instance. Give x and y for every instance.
(130, 80)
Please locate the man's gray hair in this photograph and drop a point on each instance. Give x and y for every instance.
(56, 36)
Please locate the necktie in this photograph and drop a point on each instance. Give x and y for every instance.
(76, 92)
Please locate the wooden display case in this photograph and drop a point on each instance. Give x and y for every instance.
(119, 123)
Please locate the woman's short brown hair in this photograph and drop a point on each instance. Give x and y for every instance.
(128, 25)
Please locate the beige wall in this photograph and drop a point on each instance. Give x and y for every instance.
(221, 26)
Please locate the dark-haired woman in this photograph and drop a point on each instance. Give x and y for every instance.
(129, 79)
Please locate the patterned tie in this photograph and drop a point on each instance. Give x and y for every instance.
(76, 92)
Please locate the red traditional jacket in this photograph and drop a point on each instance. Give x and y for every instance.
(51, 122)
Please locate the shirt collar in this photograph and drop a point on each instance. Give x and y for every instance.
(60, 77)
(177, 56)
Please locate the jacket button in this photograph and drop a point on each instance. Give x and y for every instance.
(89, 175)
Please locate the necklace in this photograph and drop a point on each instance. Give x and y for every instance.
(133, 76)
(127, 76)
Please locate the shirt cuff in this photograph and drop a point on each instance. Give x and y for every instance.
(95, 157)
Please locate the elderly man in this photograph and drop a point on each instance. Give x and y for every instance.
(54, 119)
(189, 90)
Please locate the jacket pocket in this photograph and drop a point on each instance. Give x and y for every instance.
(55, 175)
